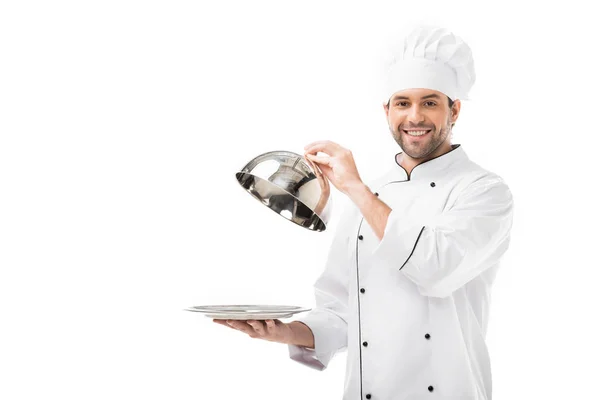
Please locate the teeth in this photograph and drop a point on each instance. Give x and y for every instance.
(416, 133)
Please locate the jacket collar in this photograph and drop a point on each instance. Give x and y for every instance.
(434, 167)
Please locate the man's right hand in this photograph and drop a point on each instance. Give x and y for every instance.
(273, 330)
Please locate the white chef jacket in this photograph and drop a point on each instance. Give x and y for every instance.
(412, 309)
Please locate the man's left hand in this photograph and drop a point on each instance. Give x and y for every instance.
(337, 164)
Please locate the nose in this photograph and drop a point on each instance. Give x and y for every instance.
(415, 115)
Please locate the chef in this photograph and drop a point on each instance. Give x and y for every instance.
(406, 288)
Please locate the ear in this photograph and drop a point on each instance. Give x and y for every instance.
(386, 108)
(455, 111)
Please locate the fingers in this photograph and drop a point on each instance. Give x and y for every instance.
(254, 328)
(274, 329)
(258, 326)
(325, 160)
(271, 325)
(318, 170)
(314, 167)
(240, 325)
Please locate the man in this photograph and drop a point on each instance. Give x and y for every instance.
(406, 287)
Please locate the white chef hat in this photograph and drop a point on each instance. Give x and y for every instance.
(431, 58)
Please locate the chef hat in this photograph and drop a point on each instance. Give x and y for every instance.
(431, 58)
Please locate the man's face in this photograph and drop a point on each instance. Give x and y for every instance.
(413, 111)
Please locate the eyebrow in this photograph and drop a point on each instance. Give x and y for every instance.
(429, 96)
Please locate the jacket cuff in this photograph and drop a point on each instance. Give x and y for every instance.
(327, 342)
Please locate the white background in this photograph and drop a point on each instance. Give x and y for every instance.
(122, 124)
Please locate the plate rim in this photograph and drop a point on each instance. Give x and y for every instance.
(209, 308)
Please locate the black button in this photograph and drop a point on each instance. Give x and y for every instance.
(368, 396)
(365, 344)
(362, 290)
(360, 237)
(427, 336)
(430, 388)
(432, 184)
(376, 194)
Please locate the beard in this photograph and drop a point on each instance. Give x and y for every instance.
(419, 148)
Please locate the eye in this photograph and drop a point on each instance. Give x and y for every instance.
(402, 103)
(430, 103)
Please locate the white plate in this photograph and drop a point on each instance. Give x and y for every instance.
(245, 312)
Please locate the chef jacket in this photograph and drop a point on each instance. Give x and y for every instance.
(412, 308)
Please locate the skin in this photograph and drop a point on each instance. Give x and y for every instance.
(421, 109)
(273, 330)
(424, 109)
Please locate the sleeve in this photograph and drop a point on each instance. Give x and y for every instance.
(328, 320)
(446, 252)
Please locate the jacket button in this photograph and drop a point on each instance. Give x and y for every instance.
(362, 290)
(376, 194)
(430, 388)
(365, 344)
(427, 336)
(368, 396)
(360, 237)
(432, 184)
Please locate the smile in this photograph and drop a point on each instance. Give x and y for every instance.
(417, 133)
